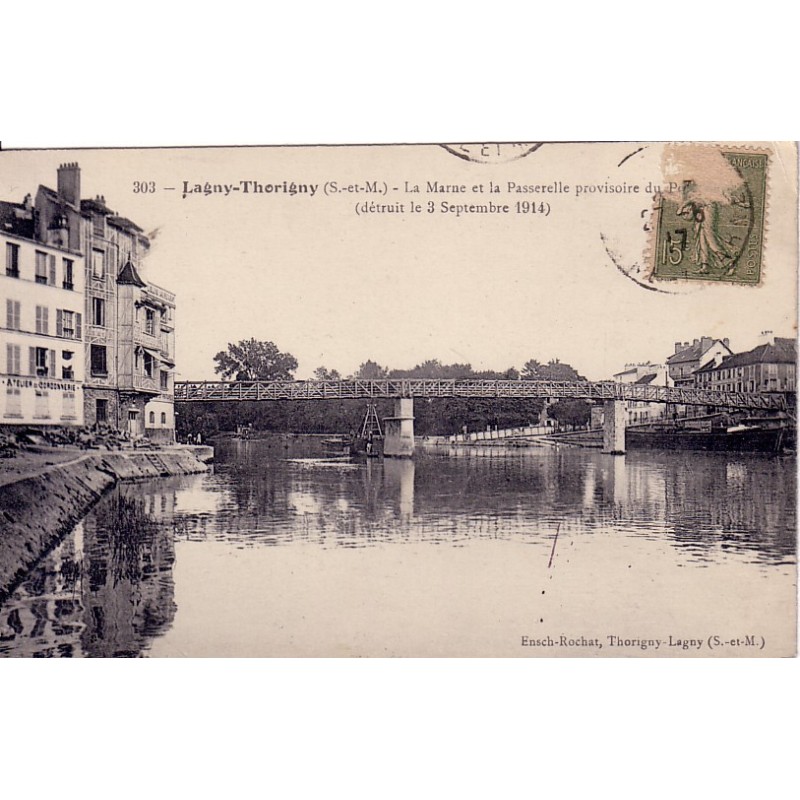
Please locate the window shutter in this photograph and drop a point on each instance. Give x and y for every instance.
(45, 319)
(51, 365)
(10, 359)
(78, 329)
(32, 361)
(16, 314)
(10, 314)
(59, 322)
(52, 270)
(38, 319)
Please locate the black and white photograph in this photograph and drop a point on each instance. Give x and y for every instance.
(516, 399)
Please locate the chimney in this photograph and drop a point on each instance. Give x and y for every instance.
(706, 342)
(695, 343)
(28, 202)
(726, 342)
(69, 183)
(678, 347)
(767, 337)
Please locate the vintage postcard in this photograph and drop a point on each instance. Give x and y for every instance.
(532, 399)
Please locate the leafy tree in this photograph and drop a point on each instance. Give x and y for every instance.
(252, 360)
(433, 368)
(324, 374)
(531, 370)
(511, 374)
(554, 370)
(370, 371)
(572, 412)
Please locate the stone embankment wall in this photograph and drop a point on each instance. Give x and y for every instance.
(37, 511)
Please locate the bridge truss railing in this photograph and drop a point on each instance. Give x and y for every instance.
(208, 391)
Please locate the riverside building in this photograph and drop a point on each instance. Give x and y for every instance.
(42, 341)
(770, 367)
(123, 325)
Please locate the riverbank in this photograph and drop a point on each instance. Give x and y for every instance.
(44, 494)
(582, 438)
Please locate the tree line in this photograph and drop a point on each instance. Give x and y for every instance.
(255, 360)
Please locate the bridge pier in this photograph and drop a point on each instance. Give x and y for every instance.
(398, 431)
(615, 418)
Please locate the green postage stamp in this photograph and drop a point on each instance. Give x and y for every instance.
(710, 218)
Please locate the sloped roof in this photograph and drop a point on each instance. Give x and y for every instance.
(645, 379)
(692, 353)
(784, 351)
(129, 276)
(16, 219)
(123, 222)
(53, 195)
(96, 205)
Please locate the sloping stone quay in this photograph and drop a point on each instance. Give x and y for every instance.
(37, 511)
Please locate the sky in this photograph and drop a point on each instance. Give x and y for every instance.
(335, 287)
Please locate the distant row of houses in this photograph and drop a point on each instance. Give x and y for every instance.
(86, 340)
(709, 363)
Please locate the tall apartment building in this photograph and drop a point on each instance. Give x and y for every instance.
(42, 348)
(125, 324)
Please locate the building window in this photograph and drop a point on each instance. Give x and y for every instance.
(98, 264)
(42, 319)
(68, 273)
(12, 360)
(12, 260)
(163, 417)
(98, 360)
(101, 410)
(68, 406)
(98, 312)
(12, 315)
(148, 364)
(164, 380)
(150, 322)
(99, 225)
(65, 323)
(41, 267)
(67, 370)
(13, 402)
(40, 361)
(152, 417)
(68, 324)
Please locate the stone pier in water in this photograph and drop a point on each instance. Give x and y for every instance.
(615, 418)
(398, 431)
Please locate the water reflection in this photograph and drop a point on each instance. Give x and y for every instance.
(109, 588)
(697, 501)
(106, 590)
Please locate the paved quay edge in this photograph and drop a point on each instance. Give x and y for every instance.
(38, 510)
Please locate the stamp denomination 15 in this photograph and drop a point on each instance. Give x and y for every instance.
(710, 222)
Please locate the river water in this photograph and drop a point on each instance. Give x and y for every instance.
(282, 551)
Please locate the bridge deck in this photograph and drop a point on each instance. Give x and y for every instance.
(213, 391)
